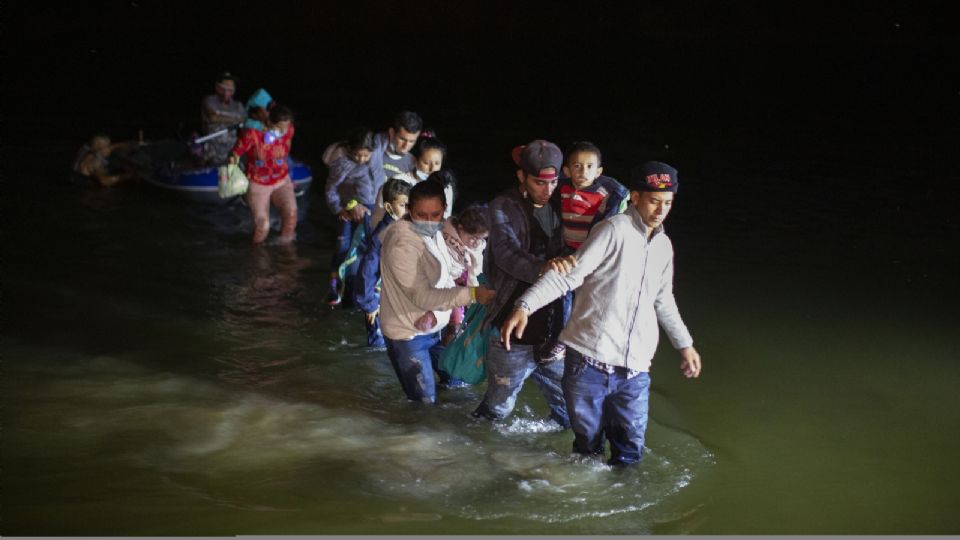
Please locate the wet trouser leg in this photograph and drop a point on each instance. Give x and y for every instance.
(625, 417)
(284, 198)
(609, 406)
(506, 371)
(374, 334)
(342, 244)
(258, 199)
(413, 361)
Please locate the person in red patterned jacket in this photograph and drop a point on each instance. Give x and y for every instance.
(266, 167)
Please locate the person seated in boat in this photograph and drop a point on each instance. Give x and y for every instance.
(220, 112)
(428, 159)
(367, 283)
(258, 110)
(269, 175)
(349, 194)
(92, 164)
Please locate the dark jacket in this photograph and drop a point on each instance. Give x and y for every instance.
(508, 261)
(365, 285)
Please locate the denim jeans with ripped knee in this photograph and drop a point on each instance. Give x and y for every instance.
(413, 361)
(506, 372)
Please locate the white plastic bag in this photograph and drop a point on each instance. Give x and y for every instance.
(232, 181)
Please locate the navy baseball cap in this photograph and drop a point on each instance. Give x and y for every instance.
(654, 176)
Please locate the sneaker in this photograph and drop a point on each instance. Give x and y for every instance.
(556, 352)
(333, 298)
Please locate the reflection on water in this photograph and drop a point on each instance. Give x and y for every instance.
(241, 450)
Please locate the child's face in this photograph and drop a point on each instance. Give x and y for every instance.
(472, 241)
(582, 168)
(397, 207)
(361, 156)
(430, 161)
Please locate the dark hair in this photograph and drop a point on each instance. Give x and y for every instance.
(473, 220)
(429, 188)
(445, 177)
(394, 188)
(584, 147)
(226, 76)
(425, 143)
(409, 121)
(280, 113)
(360, 138)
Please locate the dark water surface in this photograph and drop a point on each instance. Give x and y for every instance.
(161, 377)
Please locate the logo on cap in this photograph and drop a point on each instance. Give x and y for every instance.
(659, 181)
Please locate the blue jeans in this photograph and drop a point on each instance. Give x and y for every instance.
(413, 361)
(606, 405)
(346, 230)
(374, 335)
(506, 372)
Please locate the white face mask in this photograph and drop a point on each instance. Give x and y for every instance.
(422, 175)
(426, 228)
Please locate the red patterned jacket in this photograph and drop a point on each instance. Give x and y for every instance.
(266, 163)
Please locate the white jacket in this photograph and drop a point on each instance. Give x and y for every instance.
(416, 279)
(624, 286)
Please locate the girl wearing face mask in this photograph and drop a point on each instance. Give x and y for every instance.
(417, 279)
(429, 153)
(266, 167)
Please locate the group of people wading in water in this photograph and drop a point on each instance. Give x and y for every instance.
(573, 269)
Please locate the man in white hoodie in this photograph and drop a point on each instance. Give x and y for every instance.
(623, 274)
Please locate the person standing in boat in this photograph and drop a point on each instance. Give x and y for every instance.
(266, 168)
(221, 112)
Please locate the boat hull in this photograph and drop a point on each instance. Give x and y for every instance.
(200, 184)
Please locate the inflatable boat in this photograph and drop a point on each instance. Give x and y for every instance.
(170, 166)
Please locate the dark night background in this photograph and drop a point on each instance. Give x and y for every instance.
(821, 117)
(737, 86)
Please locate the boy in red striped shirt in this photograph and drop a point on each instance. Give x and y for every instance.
(584, 197)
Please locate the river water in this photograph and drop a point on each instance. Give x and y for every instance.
(161, 377)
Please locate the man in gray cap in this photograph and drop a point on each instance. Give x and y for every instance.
(524, 236)
(220, 112)
(623, 274)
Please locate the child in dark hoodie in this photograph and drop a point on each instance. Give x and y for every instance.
(367, 295)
